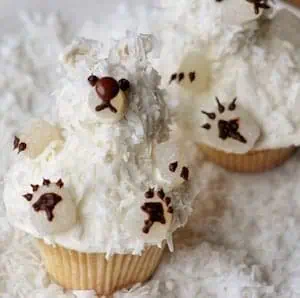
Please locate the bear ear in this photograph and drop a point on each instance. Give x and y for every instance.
(124, 85)
(92, 79)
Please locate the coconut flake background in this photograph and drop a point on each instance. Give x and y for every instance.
(243, 238)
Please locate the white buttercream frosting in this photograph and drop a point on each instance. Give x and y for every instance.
(106, 168)
(248, 63)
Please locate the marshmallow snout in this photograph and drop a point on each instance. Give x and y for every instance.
(108, 99)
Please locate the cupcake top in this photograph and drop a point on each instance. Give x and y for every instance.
(106, 175)
(215, 64)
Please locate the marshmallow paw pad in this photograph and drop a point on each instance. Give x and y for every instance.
(171, 164)
(53, 210)
(230, 128)
(158, 208)
(193, 74)
(36, 137)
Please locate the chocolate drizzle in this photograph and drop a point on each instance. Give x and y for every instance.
(167, 200)
(221, 108)
(60, 183)
(229, 129)
(34, 187)
(259, 4)
(180, 77)
(21, 146)
(149, 194)
(28, 197)
(211, 116)
(192, 76)
(46, 182)
(185, 173)
(206, 126)
(173, 166)
(173, 78)
(232, 105)
(155, 212)
(16, 143)
(47, 202)
(161, 194)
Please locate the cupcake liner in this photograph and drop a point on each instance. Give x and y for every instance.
(92, 271)
(251, 162)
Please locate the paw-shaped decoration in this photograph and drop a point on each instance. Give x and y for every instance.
(193, 74)
(231, 129)
(108, 99)
(245, 12)
(171, 164)
(36, 137)
(158, 211)
(259, 5)
(53, 210)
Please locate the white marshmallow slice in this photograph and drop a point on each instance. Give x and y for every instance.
(107, 116)
(36, 137)
(193, 74)
(238, 12)
(233, 130)
(53, 210)
(171, 165)
(160, 209)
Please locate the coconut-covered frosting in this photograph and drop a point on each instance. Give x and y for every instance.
(213, 59)
(106, 176)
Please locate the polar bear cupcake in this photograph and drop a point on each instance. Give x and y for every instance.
(232, 83)
(103, 187)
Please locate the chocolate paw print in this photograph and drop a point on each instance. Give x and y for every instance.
(109, 99)
(193, 74)
(181, 76)
(53, 209)
(171, 164)
(248, 10)
(227, 129)
(259, 4)
(159, 209)
(230, 128)
(35, 138)
(184, 172)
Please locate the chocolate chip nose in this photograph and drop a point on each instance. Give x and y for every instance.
(107, 88)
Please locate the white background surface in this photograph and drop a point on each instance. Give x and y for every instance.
(241, 213)
(75, 11)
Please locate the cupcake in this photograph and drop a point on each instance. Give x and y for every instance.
(232, 88)
(104, 185)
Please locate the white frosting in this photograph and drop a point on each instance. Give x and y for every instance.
(37, 135)
(106, 168)
(238, 12)
(251, 63)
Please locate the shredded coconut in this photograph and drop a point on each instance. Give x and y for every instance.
(252, 221)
